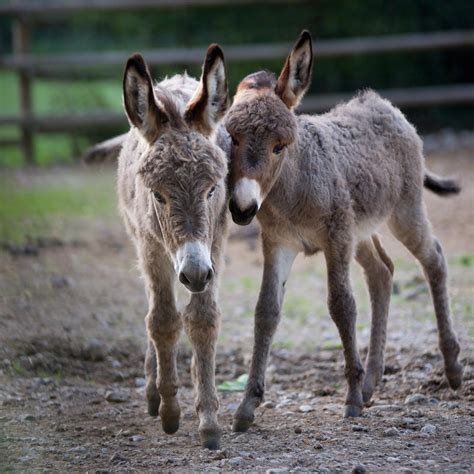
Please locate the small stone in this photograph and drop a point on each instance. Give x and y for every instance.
(115, 364)
(77, 449)
(428, 429)
(298, 430)
(318, 446)
(268, 404)
(416, 399)
(60, 281)
(324, 470)
(392, 459)
(237, 461)
(245, 454)
(93, 350)
(390, 432)
(276, 470)
(137, 438)
(359, 428)
(140, 382)
(116, 397)
(407, 422)
(359, 469)
(386, 408)
(117, 458)
(27, 417)
(305, 408)
(218, 455)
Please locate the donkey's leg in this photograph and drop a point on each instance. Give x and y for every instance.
(164, 327)
(201, 318)
(378, 269)
(342, 308)
(277, 266)
(410, 225)
(151, 374)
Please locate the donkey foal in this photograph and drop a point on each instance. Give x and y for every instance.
(172, 195)
(326, 183)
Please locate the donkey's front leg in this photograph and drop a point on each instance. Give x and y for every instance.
(277, 266)
(343, 312)
(164, 327)
(201, 319)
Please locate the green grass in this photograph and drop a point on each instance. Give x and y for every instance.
(34, 211)
(56, 98)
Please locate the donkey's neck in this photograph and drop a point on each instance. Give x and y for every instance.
(300, 194)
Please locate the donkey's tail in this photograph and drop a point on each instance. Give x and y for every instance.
(441, 186)
(105, 151)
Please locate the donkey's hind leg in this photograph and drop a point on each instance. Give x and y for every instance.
(410, 225)
(151, 374)
(378, 269)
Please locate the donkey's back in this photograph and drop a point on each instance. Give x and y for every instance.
(371, 148)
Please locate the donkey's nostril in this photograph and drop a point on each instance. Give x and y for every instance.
(183, 279)
(251, 211)
(209, 275)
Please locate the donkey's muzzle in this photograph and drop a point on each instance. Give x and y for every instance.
(196, 279)
(243, 217)
(194, 267)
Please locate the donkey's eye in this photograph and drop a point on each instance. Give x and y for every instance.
(211, 192)
(234, 141)
(159, 198)
(277, 149)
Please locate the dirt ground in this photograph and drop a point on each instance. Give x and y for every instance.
(72, 341)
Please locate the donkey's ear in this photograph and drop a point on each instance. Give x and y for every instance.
(295, 77)
(141, 107)
(211, 99)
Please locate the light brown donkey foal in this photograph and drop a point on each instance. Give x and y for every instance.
(172, 195)
(326, 183)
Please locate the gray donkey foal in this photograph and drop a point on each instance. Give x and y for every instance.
(326, 183)
(172, 195)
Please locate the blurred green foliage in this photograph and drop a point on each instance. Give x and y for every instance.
(228, 25)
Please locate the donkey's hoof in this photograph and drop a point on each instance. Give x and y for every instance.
(170, 425)
(210, 439)
(351, 411)
(454, 375)
(367, 392)
(169, 414)
(153, 406)
(241, 425)
(367, 396)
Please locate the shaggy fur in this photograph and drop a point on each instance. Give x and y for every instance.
(327, 183)
(171, 187)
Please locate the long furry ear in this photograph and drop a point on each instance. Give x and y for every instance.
(211, 99)
(295, 76)
(141, 107)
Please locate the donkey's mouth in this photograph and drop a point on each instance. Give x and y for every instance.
(242, 217)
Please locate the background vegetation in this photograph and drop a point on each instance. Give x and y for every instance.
(229, 25)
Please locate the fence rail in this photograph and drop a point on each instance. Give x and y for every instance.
(45, 9)
(28, 66)
(323, 49)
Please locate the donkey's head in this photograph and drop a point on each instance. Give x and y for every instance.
(183, 171)
(262, 125)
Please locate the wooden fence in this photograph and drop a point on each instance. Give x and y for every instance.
(28, 66)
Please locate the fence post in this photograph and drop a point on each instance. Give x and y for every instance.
(21, 46)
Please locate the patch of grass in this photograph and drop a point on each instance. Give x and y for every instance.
(18, 369)
(42, 210)
(463, 261)
(283, 345)
(332, 346)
